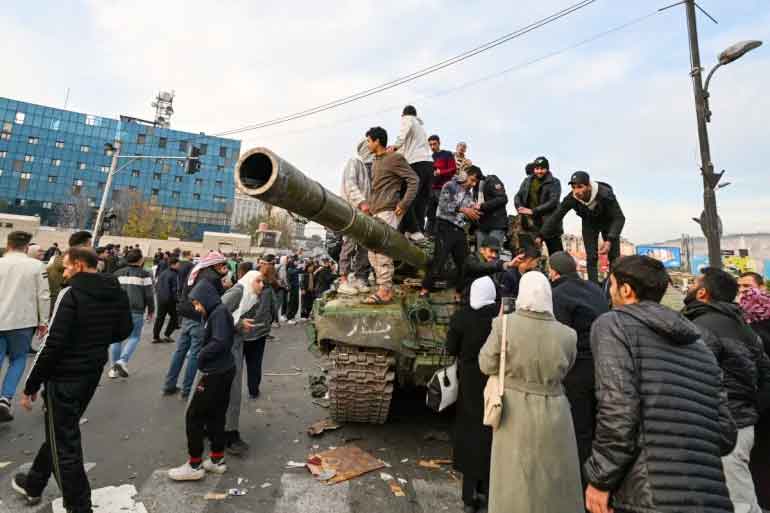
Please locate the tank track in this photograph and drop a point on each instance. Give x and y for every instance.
(361, 384)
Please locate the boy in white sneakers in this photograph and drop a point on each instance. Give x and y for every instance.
(211, 396)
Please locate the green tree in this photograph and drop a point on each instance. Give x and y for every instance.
(146, 221)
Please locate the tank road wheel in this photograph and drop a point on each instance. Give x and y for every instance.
(361, 384)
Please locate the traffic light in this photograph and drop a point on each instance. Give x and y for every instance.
(193, 164)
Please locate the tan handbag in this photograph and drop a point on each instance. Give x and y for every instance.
(493, 392)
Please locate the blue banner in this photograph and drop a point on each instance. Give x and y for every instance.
(671, 256)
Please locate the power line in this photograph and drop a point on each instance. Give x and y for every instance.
(417, 74)
(498, 74)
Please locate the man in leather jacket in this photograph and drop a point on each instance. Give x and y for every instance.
(596, 205)
(662, 420)
(491, 199)
(537, 199)
(745, 366)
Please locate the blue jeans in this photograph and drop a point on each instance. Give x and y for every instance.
(190, 340)
(14, 343)
(123, 351)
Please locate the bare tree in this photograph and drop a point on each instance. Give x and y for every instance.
(75, 214)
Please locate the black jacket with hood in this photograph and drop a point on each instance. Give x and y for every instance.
(215, 355)
(494, 215)
(605, 216)
(184, 307)
(577, 303)
(740, 353)
(91, 313)
(548, 203)
(662, 421)
(168, 283)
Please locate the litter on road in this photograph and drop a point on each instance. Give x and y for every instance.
(347, 462)
(215, 496)
(237, 492)
(317, 428)
(434, 464)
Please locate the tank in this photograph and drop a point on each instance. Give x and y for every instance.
(370, 348)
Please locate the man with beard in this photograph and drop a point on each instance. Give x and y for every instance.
(745, 367)
(596, 205)
(537, 199)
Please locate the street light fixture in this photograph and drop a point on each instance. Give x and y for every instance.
(728, 55)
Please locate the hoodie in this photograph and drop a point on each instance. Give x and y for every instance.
(357, 176)
(412, 141)
(662, 420)
(91, 313)
(215, 355)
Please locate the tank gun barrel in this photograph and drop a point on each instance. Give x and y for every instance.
(262, 174)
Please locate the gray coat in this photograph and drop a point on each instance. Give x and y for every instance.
(535, 464)
(261, 313)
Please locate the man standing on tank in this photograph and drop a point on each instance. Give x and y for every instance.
(537, 199)
(390, 171)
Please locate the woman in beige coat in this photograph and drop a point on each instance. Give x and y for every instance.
(535, 465)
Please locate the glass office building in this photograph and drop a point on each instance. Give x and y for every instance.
(54, 160)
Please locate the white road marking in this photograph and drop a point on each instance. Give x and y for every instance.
(302, 493)
(13, 503)
(110, 499)
(161, 495)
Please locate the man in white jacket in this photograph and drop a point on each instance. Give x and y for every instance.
(412, 142)
(356, 187)
(24, 305)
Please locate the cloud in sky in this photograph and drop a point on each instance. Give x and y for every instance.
(620, 107)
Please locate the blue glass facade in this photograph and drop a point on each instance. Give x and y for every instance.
(50, 157)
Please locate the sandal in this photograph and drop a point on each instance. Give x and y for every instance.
(374, 299)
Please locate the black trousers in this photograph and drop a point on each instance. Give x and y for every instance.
(293, 303)
(471, 487)
(450, 241)
(207, 412)
(554, 244)
(431, 211)
(164, 309)
(414, 219)
(307, 303)
(591, 242)
(579, 387)
(62, 451)
(253, 351)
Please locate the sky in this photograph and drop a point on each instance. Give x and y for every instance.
(620, 106)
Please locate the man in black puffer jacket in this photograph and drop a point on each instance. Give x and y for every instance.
(492, 199)
(746, 369)
(662, 421)
(91, 313)
(537, 199)
(577, 303)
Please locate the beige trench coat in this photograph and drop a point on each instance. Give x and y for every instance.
(535, 466)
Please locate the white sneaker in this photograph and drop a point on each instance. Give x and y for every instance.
(186, 473)
(283, 318)
(416, 237)
(215, 468)
(291, 322)
(347, 289)
(113, 372)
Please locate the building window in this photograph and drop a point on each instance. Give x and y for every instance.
(91, 202)
(162, 142)
(26, 176)
(20, 117)
(220, 199)
(19, 203)
(85, 148)
(218, 184)
(156, 176)
(204, 148)
(5, 136)
(132, 188)
(220, 169)
(47, 205)
(77, 186)
(223, 151)
(196, 196)
(135, 172)
(56, 162)
(8, 127)
(199, 181)
(52, 178)
(92, 120)
(100, 186)
(17, 165)
(104, 169)
(177, 179)
(141, 138)
(77, 182)
(167, 167)
(55, 124)
(108, 150)
(1, 172)
(183, 146)
(175, 194)
(81, 166)
(3, 154)
(59, 144)
(29, 158)
(33, 140)
(154, 193)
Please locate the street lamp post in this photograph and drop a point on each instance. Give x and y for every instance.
(709, 221)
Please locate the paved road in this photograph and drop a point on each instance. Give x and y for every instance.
(133, 435)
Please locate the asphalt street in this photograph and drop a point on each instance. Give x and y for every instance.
(132, 435)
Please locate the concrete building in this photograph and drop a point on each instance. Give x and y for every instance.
(245, 208)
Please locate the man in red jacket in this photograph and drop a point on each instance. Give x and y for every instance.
(444, 169)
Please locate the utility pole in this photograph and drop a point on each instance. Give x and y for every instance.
(107, 189)
(709, 221)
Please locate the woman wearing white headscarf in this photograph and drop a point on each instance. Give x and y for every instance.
(252, 305)
(468, 330)
(534, 452)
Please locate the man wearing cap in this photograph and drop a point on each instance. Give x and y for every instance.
(596, 205)
(485, 262)
(577, 303)
(527, 260)
(537, 200)
(491, 200)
